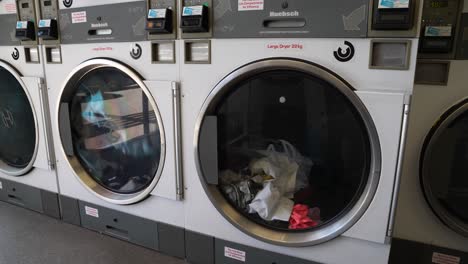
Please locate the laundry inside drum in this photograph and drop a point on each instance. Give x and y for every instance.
(293, 152)
(115, 132)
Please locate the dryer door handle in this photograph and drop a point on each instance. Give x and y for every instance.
(65, 129)
(208, 149)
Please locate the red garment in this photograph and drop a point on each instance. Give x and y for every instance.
(300, 219)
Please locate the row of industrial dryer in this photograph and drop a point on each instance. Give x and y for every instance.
(238, 131)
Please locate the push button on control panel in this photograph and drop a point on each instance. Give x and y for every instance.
(159, 21)
(195, 19)
(25, 30)
(48, 29)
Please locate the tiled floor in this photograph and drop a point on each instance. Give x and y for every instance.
(27, 237)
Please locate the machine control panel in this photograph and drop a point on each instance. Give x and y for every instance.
(393, 14)
(48, 25)
(48, 29)
(439, 26)
(161, 19)
(196, 18)
(25, 26)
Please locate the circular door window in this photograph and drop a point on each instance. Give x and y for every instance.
(288, 152)
(111, 131)
(444, 168)
(17, 125)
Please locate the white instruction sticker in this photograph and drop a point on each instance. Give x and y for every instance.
(22, 25)
(439, 258)
(438, 31)
(157, 13)
(92, 211)
(79, 17)
(192, 11)
(393, 4)
(249, 5)
(44, 23)
(234, 254)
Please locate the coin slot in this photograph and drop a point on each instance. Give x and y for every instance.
(100, 32)
(284, 23)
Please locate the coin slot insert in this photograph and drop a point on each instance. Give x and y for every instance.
(163, 52)
(390, 54)
(198, 52)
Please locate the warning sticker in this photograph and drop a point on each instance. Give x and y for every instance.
(79, 17)
(439, 258)
(8, 8)
(249, 5)
(92, 211)
(234, 254)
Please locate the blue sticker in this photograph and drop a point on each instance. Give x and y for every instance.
(386, 3)
(393, 3)
(432, 31)
(188, 11)
(152, 13)
(42, 23)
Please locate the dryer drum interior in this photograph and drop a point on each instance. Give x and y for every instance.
(444, 168)
(111, 131)
(296, 157)
(18, 144)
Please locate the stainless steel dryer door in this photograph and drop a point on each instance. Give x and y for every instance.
(287, 152)
(18, 127)
(111, 131)
(444, 168)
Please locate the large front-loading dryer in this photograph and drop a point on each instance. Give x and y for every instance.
(432, 211)
(291, 133)
(27, 175)
(115, 122)
(431, 220)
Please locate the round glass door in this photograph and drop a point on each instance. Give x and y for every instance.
(298, 157)
(17, 125)
(444, 168)
(113, 131)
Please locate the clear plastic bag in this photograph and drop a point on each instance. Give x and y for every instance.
(273, 201)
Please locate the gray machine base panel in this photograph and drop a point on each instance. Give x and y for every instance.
(409, 252)
(199, 248)
(29, 197)
(250, 255)
(70, 210)
(165, 238)
(202, 249)
(28, 237)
